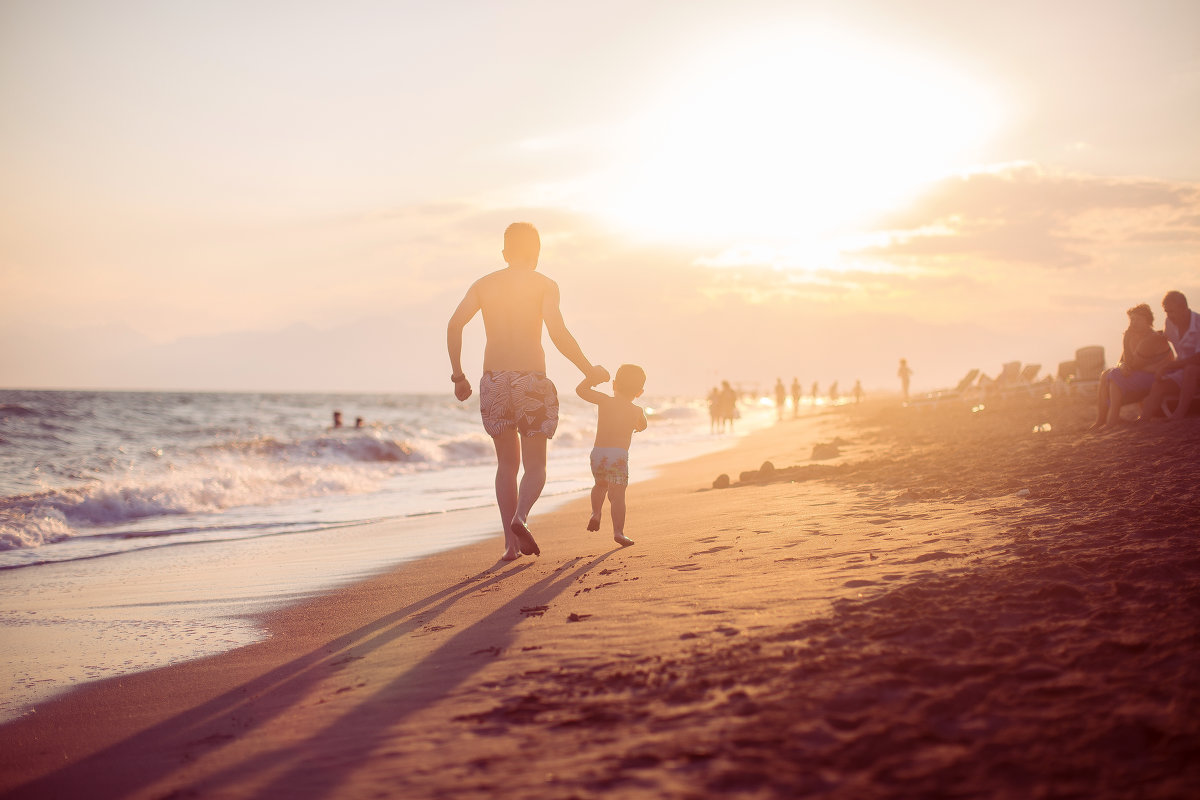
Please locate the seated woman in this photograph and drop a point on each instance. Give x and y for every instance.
(1142, 352)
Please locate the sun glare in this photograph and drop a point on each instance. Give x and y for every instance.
(793, 136)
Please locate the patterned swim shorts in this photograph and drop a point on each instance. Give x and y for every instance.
(610, 465)
(527, 401)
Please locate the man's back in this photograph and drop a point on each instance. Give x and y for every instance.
(512, 301)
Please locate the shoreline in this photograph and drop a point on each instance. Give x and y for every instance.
(180, 600)
(593, 668)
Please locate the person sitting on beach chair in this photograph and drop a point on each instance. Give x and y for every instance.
(617, 419)
(518, 403)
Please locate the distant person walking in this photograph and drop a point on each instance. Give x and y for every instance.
(728, 405)
(780, 398)
(714, 410)
(814, 394)
(795, 397)
(905, 372)
(518, 403)
(858, 392)
(833, 393)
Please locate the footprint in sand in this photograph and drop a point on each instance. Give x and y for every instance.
(687, 567)
(711, 550)
(534, 611)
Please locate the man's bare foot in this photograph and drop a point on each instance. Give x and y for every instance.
(511, 554)
(594, 524)
(525, 538)
(622, 539)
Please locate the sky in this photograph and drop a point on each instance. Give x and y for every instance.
(294, 196)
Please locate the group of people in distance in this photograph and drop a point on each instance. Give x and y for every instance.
(1155, 365)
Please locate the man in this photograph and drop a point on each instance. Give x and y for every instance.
(1181, 376)
(518, 403)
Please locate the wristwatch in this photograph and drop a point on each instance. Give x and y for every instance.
(458, 376)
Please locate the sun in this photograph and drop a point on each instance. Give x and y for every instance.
(787, 136)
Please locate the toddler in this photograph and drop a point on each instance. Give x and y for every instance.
(617, 419)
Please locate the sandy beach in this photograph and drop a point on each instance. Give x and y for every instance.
(959, 603)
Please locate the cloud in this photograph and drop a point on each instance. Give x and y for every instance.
(1030, 215)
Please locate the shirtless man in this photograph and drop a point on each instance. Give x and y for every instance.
(518, 403)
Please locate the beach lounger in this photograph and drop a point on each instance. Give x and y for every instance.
(1089, 363)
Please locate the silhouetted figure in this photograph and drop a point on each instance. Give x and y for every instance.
(858, 392)
(616, 420)
(337, 419)
(728, 405)
(518, 403)
(714, 410)
(795, 397)
(814, 394)
(1180, 376)
(1133, 377)
(780, 398)
(905, 372)
(358, 422)
(833, 393)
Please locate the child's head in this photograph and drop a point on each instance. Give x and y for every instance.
(522, 245)
(630, 380)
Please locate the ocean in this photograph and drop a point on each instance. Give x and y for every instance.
(141, 528)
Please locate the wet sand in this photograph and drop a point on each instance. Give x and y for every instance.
(953, 606)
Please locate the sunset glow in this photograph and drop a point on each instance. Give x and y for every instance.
(793, 135)
(211, 196)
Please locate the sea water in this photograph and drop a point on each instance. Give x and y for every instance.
(142, 528)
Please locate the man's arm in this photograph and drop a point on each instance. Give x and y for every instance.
(1181, 363)
(466, 310)
(562, 338)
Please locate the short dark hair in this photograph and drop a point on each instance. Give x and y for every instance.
(1174, 295)
(630, 379)
(521, 240)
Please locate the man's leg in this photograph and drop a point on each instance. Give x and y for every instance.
(508, 462)
(1189, 379)
(533, 462)
(1162, 389)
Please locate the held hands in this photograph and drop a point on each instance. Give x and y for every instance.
(597, 374)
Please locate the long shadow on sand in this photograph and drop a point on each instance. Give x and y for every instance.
(139, 761)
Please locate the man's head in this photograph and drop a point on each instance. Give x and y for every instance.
(630, 380)
(1143, 311)
(522, 245)
(1176, 308)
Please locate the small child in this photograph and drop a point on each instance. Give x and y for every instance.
(616, 420)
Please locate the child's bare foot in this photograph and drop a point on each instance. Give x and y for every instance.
(622, 539)
(594, 524)
(525, 538)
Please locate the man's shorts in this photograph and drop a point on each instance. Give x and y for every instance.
(610, 465)
(526, 401)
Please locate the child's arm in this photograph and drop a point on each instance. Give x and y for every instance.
(639, 422)
(585, 390)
